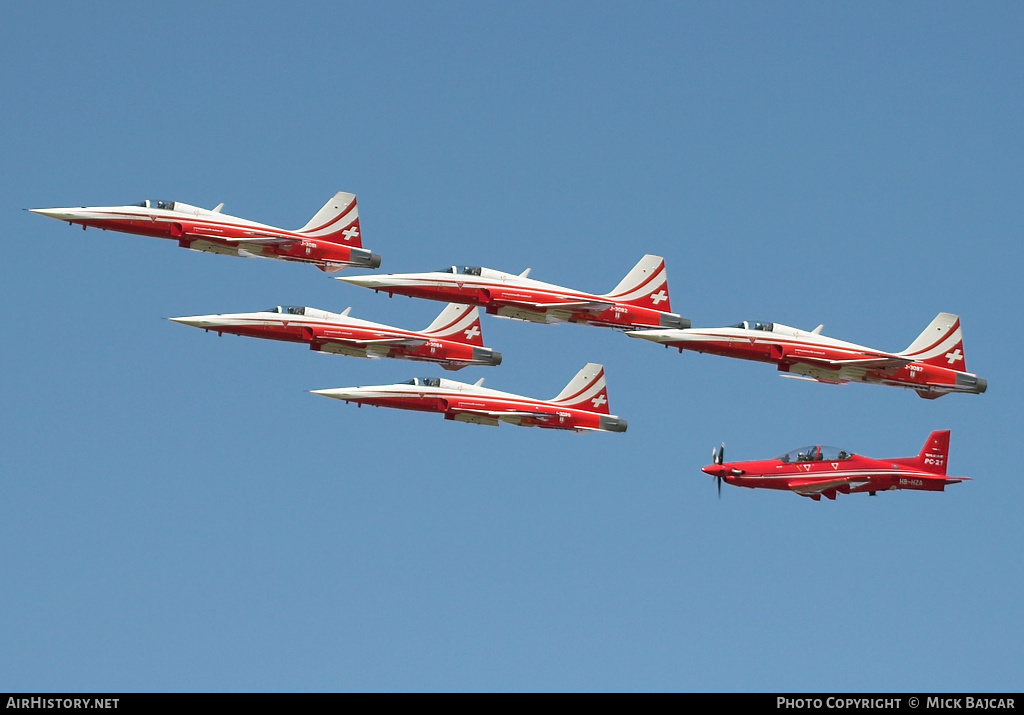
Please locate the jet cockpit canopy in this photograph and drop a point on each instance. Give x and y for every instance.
(817, 453)
(464, 270)
(287, 309)
(423, 382)
(150, 204)
(750, 325)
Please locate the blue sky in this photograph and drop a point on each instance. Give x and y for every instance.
(180, 514)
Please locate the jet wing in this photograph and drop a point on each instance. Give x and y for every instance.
(397, 342)
(866, 363)
(266, 240)
(590, 306)
(511, 416)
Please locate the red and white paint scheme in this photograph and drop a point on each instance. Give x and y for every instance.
(819, 471)
(639, 301)
(453, 340)
(331, 240)
(582, 406)
(933, 365)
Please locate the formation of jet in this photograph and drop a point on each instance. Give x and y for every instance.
(640, 300)
(454, 339)
(819, 471)
(331, 240)
(581, 406)
(933, 365)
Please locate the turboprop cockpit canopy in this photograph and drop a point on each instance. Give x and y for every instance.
(817, 453)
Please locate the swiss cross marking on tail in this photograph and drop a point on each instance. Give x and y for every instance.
(350, 233)
(954, 356)
(472, 332)
(659, 296)
(600, 400)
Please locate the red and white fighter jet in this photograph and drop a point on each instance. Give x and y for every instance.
(933, 365)
(331, 240)
(582, 406)
(819, 471)
(454, 338)
(640, 300)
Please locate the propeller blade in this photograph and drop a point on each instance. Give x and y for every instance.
(719, 480)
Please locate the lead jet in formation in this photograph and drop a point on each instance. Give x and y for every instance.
(640, 300)
(933, 365)
(582, 406)
(453, 340)
(331, 240)
(819, 471)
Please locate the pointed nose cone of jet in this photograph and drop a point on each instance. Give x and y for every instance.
(364, 281)
(59, 214)
(197, 321)
(340, 393)
(659, 336)
(194, 321)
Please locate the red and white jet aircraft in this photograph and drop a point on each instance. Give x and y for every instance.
(454, 338)
(933, 365)
(582, 406)
(331, 240)
(818, 471)
(639, 301)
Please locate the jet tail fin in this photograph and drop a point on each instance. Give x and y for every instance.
(646, 285)
(586, 391)
(337, 221)
(458, 322)
(941, 344)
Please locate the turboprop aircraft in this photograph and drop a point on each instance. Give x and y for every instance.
(454, 339)
(331, 240)
(818, 471)
(640, 300)
(582, 406)
(933, 365)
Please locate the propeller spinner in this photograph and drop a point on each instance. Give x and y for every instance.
(718, 457)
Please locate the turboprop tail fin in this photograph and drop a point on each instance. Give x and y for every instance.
(934, 455)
